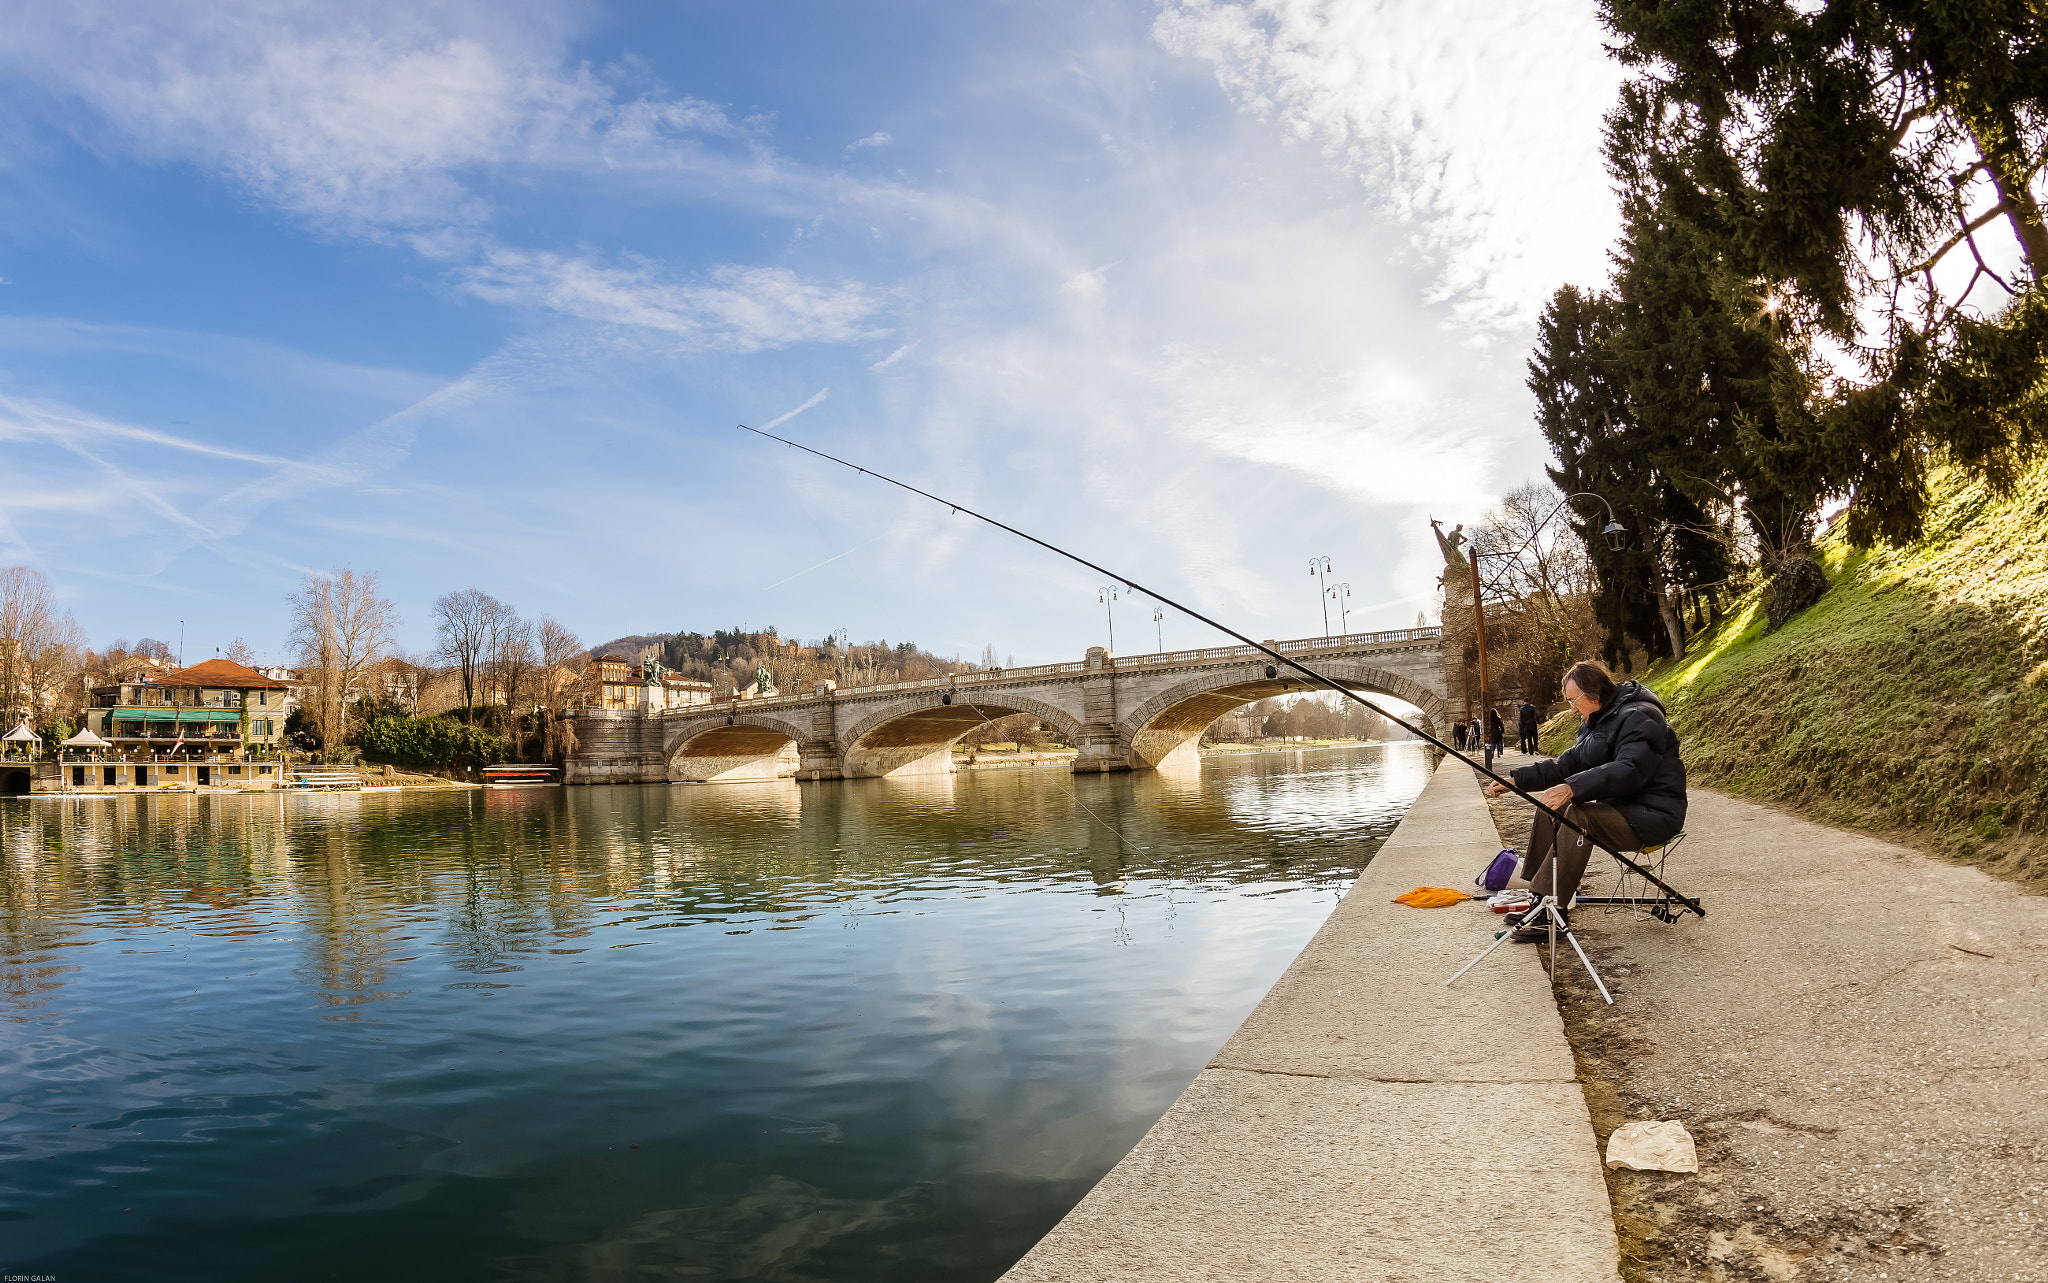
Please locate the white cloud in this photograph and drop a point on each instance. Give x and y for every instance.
(876, 139)
(731, 309)
(360, 115)
(1086, 285)
(1477, 122)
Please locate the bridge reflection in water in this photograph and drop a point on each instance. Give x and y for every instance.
(890, 1029)
(1122, 713)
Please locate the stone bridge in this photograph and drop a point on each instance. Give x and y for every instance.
(1122, 713)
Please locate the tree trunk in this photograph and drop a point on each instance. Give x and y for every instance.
(2008, 171)
(1667, 607)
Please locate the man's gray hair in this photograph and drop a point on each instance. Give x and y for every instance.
(1592, 679)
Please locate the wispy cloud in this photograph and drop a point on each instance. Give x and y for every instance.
(876, 139)
(1475, 121)
(732, 309)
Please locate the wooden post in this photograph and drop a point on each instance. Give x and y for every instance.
(1479, 630)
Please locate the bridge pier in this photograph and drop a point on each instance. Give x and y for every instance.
(819, 760)
(1101, 746)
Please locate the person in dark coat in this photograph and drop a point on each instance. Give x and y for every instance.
(1495, 733)
(1458, 736)
(1622, 781)
(1527, 724)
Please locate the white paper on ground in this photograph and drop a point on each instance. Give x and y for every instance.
(1652, 1147)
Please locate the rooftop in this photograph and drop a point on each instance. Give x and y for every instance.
(221, 674)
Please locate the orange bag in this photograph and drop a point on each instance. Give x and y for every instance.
(1432, 898)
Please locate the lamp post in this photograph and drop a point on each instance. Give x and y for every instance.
(1106, 594)
(1320, 568)
(1158, 614)
(1341, 593)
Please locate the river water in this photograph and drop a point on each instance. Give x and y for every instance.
(848, 1031)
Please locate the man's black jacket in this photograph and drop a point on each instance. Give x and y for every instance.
(1627, 757)
(1526, 718)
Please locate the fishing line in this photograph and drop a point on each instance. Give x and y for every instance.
(1121, 844)
(1271, 669)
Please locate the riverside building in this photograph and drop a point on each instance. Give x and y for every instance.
(217, 724)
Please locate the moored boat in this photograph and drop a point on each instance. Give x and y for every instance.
(522, 775)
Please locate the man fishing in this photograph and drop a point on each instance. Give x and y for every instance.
(1622, 781)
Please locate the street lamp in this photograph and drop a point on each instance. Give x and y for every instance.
(1106, 594)
(1342, 594)
(1158, 614)
(1320, 567)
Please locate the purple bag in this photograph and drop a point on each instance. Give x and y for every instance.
(1499, 869)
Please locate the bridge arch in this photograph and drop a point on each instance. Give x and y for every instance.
(732, 747)
(918, 732)
(1164, 730)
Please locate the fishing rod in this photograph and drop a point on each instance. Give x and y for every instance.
(1271, 669)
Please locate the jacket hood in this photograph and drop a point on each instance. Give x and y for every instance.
(1633, 692)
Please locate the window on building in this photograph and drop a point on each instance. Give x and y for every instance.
(233, 769)
(263, 697)
(170, 770)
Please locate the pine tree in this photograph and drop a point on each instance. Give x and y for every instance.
(1833, 152)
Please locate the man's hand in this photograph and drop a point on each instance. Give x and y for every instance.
(1555, 798)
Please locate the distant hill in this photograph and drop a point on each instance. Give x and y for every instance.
(1911, 699)
(630, 647)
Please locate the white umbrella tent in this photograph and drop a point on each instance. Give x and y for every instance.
(21, 734)
(85, 739)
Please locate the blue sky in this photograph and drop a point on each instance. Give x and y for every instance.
(472, 294)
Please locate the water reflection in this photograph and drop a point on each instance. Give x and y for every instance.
(858, 1030)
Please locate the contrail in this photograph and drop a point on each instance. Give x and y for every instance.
(822, 394)
(829, 560)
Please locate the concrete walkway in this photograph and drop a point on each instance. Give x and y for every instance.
(1856, 1035)
(1366, 1122)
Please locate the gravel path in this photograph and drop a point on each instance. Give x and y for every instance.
(1856, 1036)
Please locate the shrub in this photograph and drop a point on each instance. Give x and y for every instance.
(432, 743)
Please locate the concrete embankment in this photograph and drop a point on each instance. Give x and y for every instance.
(1366, 1122)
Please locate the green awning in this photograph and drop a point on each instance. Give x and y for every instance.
(188, 716)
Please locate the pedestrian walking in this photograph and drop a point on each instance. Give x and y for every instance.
(1527, 724)
(1458, 736)
(1496, 734)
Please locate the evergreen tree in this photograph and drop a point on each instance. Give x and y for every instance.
(1832, 152)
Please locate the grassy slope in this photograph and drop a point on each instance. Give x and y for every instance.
(1911, 700)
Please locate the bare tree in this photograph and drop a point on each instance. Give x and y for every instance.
(511, 671)
(1539, 591)
(341, 625)
(466, 625)
(241, 654)
(40, 647)
(54, 667)
(562, 664)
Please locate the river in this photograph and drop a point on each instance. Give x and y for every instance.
(849, 1031)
